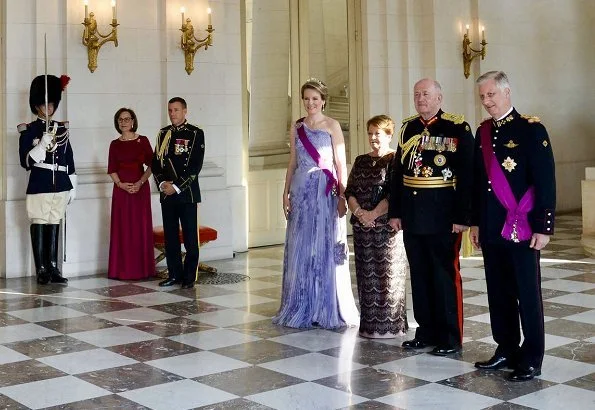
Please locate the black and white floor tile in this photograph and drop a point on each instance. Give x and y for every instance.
(104, 344)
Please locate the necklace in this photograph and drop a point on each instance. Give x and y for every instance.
(134, 136)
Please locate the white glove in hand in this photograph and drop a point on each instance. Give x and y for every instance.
(46, 140)
(38, 152)
(72, 193)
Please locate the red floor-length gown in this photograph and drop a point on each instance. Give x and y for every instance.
(131, 253)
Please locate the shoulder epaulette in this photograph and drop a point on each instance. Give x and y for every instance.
(456, 118)
(22, 127)
(530, 118)
(167, 127)
(410, 118)
(65, 124)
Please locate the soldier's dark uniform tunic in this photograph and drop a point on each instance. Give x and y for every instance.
(513, 275)
(179, 155)
(431, 185)
(52, 175)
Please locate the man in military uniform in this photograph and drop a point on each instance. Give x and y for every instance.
(431, 185)
(512, 218)
(47, 153)
(179, 154)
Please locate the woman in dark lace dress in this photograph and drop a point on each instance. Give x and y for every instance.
(380, 261)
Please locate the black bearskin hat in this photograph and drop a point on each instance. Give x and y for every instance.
(55, 87)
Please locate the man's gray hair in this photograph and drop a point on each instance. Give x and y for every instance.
(436, 84)
(499, 77)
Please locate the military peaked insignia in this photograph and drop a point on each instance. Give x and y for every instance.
(440, 160)
(509, 164)
(456, 118)
(545, 144)
(531, 118)
(504, 121)
(511, 144)
(410, 118)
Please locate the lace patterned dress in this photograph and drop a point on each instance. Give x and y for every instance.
(316, 282)
(380, 261)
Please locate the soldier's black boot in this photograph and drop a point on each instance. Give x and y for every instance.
(43, 276)
(51, 234)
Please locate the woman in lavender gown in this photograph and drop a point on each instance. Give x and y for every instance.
(316, 282)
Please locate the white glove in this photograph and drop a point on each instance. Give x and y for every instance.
(38, 152)
(46, 140)
(72, 193)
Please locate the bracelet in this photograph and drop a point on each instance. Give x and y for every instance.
(356, 209)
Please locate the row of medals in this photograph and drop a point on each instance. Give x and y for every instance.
(438, 144)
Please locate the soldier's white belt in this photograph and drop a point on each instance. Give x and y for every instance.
(431, 182)
(52, 167)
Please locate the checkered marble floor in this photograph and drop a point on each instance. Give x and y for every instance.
(104, 344)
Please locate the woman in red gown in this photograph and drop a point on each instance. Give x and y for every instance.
(131, 254)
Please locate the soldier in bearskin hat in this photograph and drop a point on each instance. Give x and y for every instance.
(45, 150)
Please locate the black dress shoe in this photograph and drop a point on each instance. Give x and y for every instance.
(188, 285)
(445, 350)
(414, 344)
(495, 363)
(56, 277)
(523, 374)
(169, 282)
(43, 277)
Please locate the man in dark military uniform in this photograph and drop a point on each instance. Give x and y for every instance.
(179, 154)
(431, 184)
(512, 218)
(47, 153)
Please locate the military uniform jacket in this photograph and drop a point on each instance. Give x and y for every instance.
(524, 151)
(179, 155)
(42, 180)
(431, 179)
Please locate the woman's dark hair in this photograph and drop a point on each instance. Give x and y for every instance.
(132, 115)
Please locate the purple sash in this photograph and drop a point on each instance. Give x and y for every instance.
(313, 152)
(516, 227)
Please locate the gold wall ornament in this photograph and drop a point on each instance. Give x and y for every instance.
(190, 44)
(93, 39)
(469, 53)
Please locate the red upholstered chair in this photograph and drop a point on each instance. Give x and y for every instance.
(205, 234)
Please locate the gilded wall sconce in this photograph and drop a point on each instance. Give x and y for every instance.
(190, 44)
(469, 53)
(93, 39)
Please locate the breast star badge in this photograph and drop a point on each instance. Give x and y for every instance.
(509, 164)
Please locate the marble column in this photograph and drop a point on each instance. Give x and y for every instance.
(588, 197)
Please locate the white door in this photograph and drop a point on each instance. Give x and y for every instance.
(289, 41)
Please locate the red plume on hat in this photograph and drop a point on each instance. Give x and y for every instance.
(64, 80)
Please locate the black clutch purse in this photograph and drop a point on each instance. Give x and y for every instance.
(378, 194)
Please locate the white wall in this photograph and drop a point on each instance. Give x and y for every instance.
(546, 49)
(143, 72)
(543, 45)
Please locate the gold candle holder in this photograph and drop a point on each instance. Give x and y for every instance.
(93, 39)
(190, 44)
(469, 53)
